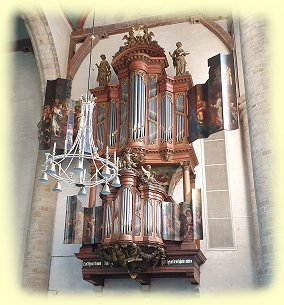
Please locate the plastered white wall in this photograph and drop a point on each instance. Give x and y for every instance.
(25, 110)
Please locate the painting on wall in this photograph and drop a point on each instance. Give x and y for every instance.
(171, 221)
(212, 106)
(73, 221)
(92, 227)
(59, 117)
(164, 174)
(186, 219)
(197, 214)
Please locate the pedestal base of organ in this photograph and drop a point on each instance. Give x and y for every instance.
(179, 263)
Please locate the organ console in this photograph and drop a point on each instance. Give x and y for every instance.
(143, 121)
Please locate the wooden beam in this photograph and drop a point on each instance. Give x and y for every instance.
(215, 28)
(122, 27)
(82, 20)
(80, 55)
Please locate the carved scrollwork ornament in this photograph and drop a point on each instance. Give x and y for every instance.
(186, 166)
(138, 36)
(138, 155)
(167, 95)
(134, 258)
(141, 73)
(126, 160)
(166, 155)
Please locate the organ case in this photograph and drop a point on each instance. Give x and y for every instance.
(143, 119)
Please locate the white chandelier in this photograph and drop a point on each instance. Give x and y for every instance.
(71, 166)
(75, 160)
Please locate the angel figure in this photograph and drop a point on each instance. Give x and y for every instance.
(140, 33)
(148, 175)
(130, 40)
(147, 37)
(179, 61)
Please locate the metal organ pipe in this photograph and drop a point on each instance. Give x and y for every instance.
(126, 211)
(115, 126)
(141, 95)
(182, 128)
(122, 218)
(106, 223)
(131, 110)
(162, 120)
(177, 128)
(129, 220)
(170, 120)
(158, 219)
(123, 113)
(137, 218)
(166, 123)
(112, 125)
(143, 109)
(150, 217)
(108, 220)
(178, 133)
(138, 106)
(134, 107)
(147, 219)
(116, 208)
(167, 119)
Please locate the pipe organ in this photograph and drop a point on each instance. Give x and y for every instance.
(143, 120)
(147, 110)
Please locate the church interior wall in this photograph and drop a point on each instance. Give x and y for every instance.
(202, 44)
(25, 109)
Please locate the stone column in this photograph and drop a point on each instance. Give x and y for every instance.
(38, 250)
(254, 216)
(253, 44)
(40, 233)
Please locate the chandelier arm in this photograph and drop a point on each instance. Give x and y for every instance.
(67, 156)
(83, 137)
(60, 178)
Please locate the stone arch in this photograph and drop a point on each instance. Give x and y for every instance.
(43, 46)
